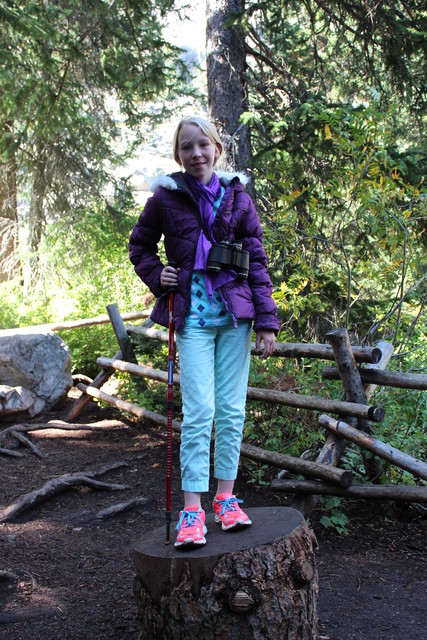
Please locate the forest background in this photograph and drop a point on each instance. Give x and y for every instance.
(322, 102)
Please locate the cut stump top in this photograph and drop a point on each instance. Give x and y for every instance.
(268, 524)
(160, 567)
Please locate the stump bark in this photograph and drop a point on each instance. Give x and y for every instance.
(258, 582)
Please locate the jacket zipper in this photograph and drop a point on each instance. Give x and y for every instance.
(227, 306)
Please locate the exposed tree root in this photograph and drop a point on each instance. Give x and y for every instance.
(58, 485)
(17, 431)
(27, 442)
(122, 506)
(9, 452)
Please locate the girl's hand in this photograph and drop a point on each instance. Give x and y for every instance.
(169, 277)
(269, 339)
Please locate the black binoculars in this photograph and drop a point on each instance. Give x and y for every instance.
(230, 255)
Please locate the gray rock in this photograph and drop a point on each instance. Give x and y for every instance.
(15, 399)
(33, 366)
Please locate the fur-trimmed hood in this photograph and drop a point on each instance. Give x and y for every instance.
(168, 181)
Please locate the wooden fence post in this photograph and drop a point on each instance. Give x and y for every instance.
(84, 399)
(334, 447)
(354, 391)
(121, 333)
(126, 353)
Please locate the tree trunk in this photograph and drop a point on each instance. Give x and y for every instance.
(226, 65)
(9, 264)
(259, 582)
(35, 217)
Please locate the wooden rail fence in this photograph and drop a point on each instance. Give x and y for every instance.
(360, 370)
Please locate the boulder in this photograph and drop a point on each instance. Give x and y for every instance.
(35, 371)
(15, 399)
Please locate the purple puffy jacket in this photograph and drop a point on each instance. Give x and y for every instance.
(172, 212)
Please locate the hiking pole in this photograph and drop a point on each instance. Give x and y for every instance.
(169, 416)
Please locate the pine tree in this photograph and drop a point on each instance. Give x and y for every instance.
(226, 66)
(64, 63)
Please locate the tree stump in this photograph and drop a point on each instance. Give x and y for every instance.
(257, 582)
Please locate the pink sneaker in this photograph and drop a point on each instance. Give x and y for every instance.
(228, 512)
(191, 527)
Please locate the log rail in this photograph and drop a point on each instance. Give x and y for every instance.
(366, 411)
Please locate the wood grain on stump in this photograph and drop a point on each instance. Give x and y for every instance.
(257, 582)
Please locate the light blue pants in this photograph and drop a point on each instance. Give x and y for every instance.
(214, 366)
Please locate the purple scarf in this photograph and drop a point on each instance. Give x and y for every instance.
(206, 196)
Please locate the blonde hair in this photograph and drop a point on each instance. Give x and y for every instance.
(208, 129)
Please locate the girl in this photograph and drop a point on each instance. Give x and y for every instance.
(195, 209)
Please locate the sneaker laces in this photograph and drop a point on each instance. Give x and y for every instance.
(188, 519)
(228, 504)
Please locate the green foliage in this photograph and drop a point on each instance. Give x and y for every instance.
(339, 48)
(80, 52)
(18, 310)
(145, 393)
(87, 344)
(346, 236)
(339, 162)
(404, 427)
(334, 516)
(84, 266)
(87, 256)
(362, 241)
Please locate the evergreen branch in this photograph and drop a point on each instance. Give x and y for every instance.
(135, 39)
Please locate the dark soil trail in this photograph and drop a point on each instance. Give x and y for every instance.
(66, 574)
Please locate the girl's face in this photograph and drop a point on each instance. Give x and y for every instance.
(197, 153)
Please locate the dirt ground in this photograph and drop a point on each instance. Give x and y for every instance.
(67, 574)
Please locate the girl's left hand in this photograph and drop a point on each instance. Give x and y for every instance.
(269, 339)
